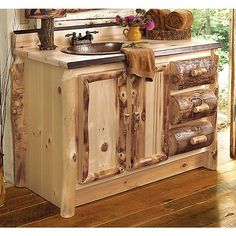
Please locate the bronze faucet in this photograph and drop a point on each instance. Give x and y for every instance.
(77, 40)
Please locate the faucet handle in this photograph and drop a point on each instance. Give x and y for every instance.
(71, 34)
(91, 32)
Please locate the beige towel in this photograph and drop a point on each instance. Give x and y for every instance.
(140, 62)
(159, 16)
(179, 20)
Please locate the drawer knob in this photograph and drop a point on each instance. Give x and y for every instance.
(198, 139)
(203, 107)
(198, 71)
(126, 121)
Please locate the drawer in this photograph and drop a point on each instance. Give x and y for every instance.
(193, 72)
(192, 105)
(190, 137)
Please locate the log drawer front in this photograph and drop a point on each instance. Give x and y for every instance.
(104, 117)
(194, 108)
(192, 105)
(193, 72)
(190, 137)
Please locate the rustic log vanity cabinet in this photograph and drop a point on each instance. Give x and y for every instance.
(84, 130)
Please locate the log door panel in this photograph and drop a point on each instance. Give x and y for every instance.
(149, 126)
(102, 136)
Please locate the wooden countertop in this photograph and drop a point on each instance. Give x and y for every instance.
(160, 47)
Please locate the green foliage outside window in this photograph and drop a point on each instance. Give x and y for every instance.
(213, 24)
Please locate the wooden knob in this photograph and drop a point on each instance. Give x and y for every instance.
(137, 116)
(201, 108)
(126, 118)
(198, 71)
(198, 139)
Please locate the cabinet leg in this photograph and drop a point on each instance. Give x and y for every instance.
(69, 121)
(68, 188)
(211, 160)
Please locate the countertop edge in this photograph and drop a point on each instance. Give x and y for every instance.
(121, 58)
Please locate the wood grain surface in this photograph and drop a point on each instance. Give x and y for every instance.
(18, 121)
(199, 198)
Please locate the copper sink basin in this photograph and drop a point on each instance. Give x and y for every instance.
(94, 48)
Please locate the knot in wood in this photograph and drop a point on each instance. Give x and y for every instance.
(104, 147)
(184, 165)
(74, 158)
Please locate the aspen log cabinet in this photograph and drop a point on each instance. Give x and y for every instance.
(84, 130)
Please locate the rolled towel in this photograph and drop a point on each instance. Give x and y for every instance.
(179, 20)
(159, 16)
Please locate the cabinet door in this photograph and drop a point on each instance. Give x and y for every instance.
(102, 128)
(149, 121)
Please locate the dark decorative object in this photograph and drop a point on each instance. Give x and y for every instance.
(44, 13)
(46, 33)
(75, 10)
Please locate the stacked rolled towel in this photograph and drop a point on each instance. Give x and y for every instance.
(170, 25)
(159, 17)
(179, 20)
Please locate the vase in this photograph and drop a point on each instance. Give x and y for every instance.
(133, 33)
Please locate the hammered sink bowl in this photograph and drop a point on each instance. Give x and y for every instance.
(94, 48)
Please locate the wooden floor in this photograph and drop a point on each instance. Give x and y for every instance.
(199, 198)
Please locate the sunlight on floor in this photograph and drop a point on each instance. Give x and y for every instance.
(224, 145)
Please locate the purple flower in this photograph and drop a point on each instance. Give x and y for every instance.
(129, 19)
(118, 19)
(138, 18)
(150, 25)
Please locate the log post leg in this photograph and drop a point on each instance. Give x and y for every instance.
(69, 108)
(18, 121)
(211, 160)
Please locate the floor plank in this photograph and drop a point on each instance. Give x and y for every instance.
(13, 192)
(135, 200)
(198, 215)
(20, 202)
(28, 214)
(198, 198)
(174, 205)
(161, 192)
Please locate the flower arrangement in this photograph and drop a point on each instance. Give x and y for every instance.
(136, 20)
